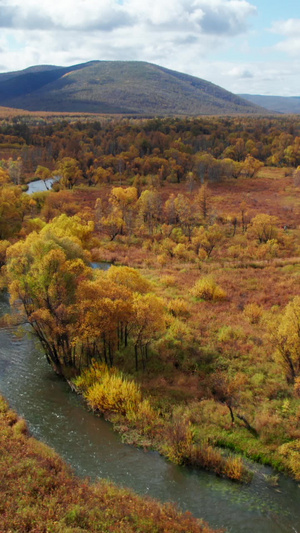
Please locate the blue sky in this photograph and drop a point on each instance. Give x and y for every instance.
(245, 46)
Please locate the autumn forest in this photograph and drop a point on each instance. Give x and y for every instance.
(188, 337)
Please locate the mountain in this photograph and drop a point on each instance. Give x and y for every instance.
(278, 104)
(132, 87)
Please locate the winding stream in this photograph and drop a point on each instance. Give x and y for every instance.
(58, 417)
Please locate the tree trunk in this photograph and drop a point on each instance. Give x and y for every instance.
(136, 357)
(248, 426)
(231, 413)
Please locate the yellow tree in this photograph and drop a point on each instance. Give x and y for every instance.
(74, 228)
(231, 168)
(149, 209)
(185, 214)
(263, 227)
(112, 224)
(104, 307)
(15, 170)
(148, 322)
(171, 215)
(13, 207)
(70, 172)
(4, 177)
(123, 201)
(129, 278)
(202, 202)
(99, 175)
(4, 245)
(43, 273)
(251, 166)
(285, 333)
(204, 241)
(43, 173)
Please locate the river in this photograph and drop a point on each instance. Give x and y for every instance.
(41, 185)
(57, 416)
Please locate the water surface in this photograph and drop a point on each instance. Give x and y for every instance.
(41, 185)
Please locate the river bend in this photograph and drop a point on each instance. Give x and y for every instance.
(58, 417)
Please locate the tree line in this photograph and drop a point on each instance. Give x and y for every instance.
(111, 150)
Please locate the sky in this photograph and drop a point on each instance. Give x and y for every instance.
(244, 46)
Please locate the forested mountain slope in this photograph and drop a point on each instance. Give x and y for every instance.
(118, 87)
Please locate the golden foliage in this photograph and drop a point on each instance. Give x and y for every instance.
(253, 312)
(263, 227)
(291, 454)
(285, 332)
(178, 307)
(234, 468)
(207, 289)
(297, 387)
(108, 390)
(129, 278)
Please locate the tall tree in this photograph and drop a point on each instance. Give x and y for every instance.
(44, 272)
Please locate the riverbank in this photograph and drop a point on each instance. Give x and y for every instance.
(119, 399)
(188, 432)
(39, 493)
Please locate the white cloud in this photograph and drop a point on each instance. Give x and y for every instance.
(81, 15)
(290, 30)
(290, 27)
(174, 33)
(228, 17)
(261, 77)
(289, 46)
(240, 72)
(183, 35)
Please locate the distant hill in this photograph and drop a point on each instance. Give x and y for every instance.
(279, 104)
(118, 87)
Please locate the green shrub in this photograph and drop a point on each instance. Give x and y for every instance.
(228, 333)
